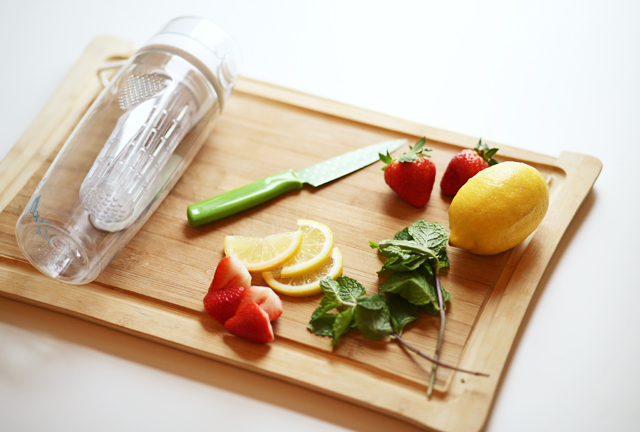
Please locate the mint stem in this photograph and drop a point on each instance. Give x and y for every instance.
(411, 348)
(434, 368)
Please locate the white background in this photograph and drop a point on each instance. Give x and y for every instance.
(546, 76)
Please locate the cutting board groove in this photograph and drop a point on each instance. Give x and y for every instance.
(154, 287)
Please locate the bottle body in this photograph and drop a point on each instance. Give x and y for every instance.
(120, 162)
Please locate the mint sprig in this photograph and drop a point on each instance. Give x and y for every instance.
(414, 258)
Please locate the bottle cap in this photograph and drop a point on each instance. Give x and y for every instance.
(207, 46)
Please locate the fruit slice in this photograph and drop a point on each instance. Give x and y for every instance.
(230, 272)
(251, 323)
(317, 243)
(223, 303)
(265, 298)
(307, 284)
(263, 254)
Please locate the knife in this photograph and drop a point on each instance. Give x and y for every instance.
(260, 191)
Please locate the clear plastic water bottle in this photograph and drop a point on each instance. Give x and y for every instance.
(129, 150)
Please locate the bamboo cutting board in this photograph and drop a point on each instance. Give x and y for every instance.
(154, 287)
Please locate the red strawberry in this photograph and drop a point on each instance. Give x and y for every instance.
(266, 298)
(411, 175)
(232, 301)
(465, 165)
(223, 303)
(251, 323)
(230, 272)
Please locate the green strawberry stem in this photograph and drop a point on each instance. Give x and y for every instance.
(414, 153)
(486, 153)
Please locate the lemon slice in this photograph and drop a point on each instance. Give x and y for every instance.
(317, 243)
(263, 254)
(307, 284)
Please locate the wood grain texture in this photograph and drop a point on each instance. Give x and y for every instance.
(154, 287)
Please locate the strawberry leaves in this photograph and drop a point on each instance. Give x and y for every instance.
(414, 152)
(486, 153)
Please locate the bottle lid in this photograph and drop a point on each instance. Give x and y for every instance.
(205, 43)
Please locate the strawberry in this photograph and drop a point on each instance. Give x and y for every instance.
(251, 323)
(465, 165)
(222, 304)
(230, 272)
(232, 301)
(411, 175)
(266, 298)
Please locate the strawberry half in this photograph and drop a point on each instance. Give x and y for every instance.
(251, 323)
(412, 175)
(264, 297)
(223, 303)
(230, 272)
(465, 165)
(232, 301)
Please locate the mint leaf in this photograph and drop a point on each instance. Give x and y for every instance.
(433, 236)
(322, 324)
(372, 316)
(412, 285)
(396, 264)
(402, 312)
(403, 235)
(342, 324)
(323, 309)
(343, 291)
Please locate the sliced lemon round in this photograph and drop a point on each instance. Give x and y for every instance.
(317, 243)
(307, 284)
(266, 253)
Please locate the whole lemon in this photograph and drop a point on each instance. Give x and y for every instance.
(498, 208)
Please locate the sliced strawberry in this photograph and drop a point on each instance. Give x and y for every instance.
(266, 298)
(230, 273)
(223, 303)
(251, 323)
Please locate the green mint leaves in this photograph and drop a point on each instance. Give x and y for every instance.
(414, 257)
(344, 306)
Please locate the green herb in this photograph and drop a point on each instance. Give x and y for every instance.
(414, 257)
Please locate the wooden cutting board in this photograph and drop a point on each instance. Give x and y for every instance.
(154, 287)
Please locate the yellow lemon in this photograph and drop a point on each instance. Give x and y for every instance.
(262, 254)
(307, 284)
(498, 208)
(317, 244)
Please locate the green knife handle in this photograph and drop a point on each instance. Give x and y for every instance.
(242, 198)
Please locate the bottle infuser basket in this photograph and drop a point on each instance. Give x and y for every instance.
(128, 151)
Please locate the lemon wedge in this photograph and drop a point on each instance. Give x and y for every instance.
(316, 247)
(307, 284)
(266, 253)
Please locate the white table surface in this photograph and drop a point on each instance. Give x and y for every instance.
(545, 76)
